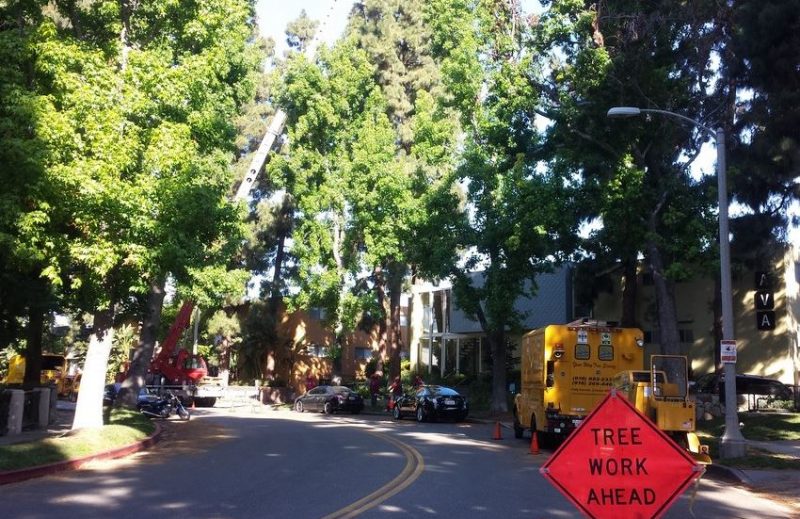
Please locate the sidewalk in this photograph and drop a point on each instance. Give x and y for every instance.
(763, 479)
(65, 411)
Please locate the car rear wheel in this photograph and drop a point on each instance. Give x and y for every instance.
(328, 408)
(396, 413)
(421, 416)
(298, 406)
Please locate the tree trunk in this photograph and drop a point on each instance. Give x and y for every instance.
(275, 293)
(89, 411)
(33, 349)
(341, 273)
(499, 401)
(383, 320)
(497, 345)
(629, 294)
(669, 338)
(143, 354)
(395, 337)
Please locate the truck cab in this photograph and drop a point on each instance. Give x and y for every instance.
(662, 395)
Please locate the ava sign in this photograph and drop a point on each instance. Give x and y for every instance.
(617, 463)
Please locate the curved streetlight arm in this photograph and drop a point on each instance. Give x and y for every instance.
(705, 128)
(633, 111)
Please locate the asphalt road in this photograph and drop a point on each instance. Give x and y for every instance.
(250, 463)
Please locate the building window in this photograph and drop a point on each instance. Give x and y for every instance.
(582, 352)
(317, 313)
(315, 350)
(363, 353)
(686, 336)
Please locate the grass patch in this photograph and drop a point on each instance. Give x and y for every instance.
(756, 427)
(123, 427)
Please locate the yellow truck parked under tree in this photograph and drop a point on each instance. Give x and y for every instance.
(567, 369)
(55, 370)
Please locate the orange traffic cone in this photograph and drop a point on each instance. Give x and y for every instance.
(534, 443)
(498, 435)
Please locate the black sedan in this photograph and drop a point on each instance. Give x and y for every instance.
(330, 399)
(714, 383)
(111, 391)
(432, 403)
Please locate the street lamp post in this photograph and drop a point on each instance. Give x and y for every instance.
(733, 443)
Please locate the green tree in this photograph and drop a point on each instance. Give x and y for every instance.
(192, 80)
(760, 84)
(397, 38)
(31, 250)
(518, 218)
(327, 106)
(635, 174)
(128, 107)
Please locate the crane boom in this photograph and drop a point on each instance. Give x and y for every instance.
(276, 126)
(273, 131)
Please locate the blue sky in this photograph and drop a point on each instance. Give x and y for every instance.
(273, 15)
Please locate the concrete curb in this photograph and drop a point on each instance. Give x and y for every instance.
(14, 476)
(727, 474)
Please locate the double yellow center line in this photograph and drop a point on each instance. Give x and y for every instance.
(414, 467)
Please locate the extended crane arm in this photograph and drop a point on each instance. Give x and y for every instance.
(273, 131)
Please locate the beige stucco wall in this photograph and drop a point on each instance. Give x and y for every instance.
(768, 353)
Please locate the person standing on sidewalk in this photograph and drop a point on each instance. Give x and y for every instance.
(395, 391)
(374, 388)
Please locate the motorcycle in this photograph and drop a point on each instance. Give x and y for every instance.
(164, 406)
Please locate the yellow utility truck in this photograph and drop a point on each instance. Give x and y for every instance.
(662, 394)
(57, 369)
(567, 369)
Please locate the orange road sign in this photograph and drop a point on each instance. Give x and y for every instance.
(617, 463)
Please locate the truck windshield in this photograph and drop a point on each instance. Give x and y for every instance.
(52, 362)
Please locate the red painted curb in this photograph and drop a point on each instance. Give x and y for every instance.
(14, 476)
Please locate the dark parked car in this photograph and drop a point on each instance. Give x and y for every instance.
(111, 391)
(432, 403)
(330, 399)
(745, 385)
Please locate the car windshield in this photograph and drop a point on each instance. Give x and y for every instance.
(443, 391)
